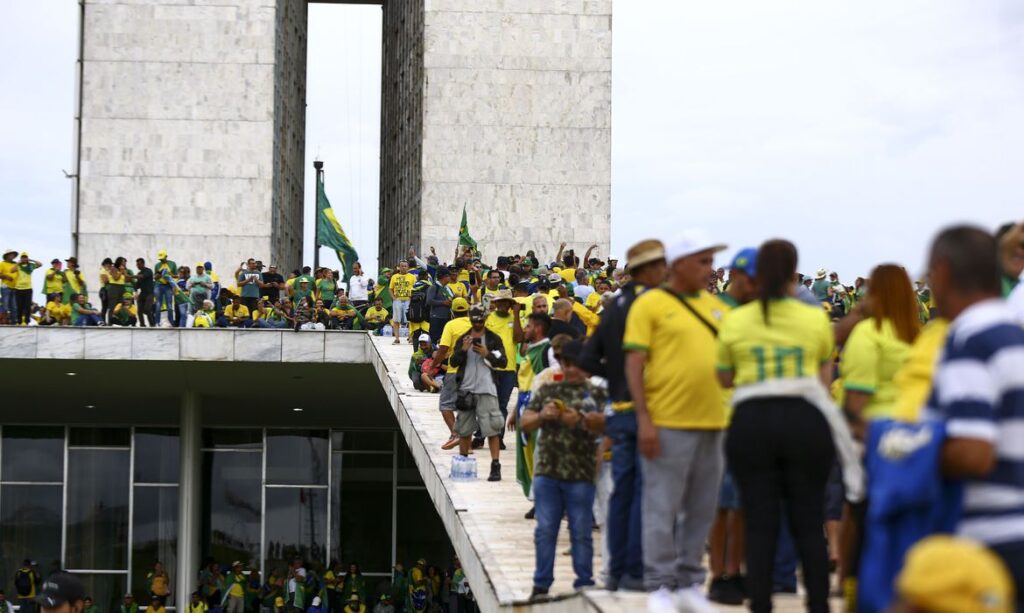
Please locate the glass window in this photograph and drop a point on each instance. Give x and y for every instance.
(107, 590)
(408, 474)
(365, 511)
(335, 517)
(30, 524)
(296, 525)
(156, 455)
(97, 529)
(32, 454)
(368, 440)
(99, 437)
(420, 532)
(297, 457)
(155, 536)
(232, 438)
(232, 505)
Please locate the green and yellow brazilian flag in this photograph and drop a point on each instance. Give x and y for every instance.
(330, 234)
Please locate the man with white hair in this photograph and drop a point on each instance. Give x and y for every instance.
(670, 340)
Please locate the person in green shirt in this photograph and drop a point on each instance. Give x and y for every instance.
(233, 600)
(326, 287)
(129, 605)
(23, 288)
(82, 313)
(355, 584)
(303, 290)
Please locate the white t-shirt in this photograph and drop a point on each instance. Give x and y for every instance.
(357, 287)
(583, 291)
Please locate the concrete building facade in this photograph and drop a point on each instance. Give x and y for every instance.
(191, 120)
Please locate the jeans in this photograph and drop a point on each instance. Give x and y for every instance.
(780, 451)
(182, 315)
(552, 499)
(88, 320)
(164, 295)
(400, 312)
(9, 306)
(624, 534)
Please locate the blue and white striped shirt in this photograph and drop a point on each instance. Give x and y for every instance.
(979, 392)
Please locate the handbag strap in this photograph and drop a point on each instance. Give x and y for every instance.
(689, 307)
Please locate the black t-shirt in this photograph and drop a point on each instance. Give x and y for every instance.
(560, 327)
(144, 280)
(271, 293)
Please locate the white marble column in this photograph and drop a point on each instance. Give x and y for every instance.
(189, 494)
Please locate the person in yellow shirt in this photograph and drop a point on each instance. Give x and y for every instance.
(125, 313)
(913, 381)
(234, 589)
(57, 313)
(236, 315)
(779, 448)
(878, 347)
(8, 278)
(456, 327)
(23, 287)
(342, 314)
(376, 316)
(400, 286)
(670, 370)
(54, 280)
(505, 322)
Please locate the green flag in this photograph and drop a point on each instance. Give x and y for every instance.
(330, 234)
(464, 237)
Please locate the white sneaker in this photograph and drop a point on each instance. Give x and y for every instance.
(692, 600)
(662, 601)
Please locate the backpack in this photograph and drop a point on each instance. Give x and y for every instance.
(418, 311)
(23, 582)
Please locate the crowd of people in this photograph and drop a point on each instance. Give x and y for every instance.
(301, 587)
(768, 418)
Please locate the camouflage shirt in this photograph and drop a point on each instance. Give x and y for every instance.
(565, 453)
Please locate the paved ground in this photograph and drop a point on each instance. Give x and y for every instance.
(492, 513)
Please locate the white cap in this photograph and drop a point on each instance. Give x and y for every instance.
(691, 242)
(423, 338)
(316, 601)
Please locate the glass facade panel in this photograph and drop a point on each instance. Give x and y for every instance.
(408, 474)
(335, 518)
(232, 438)
(296, 525)
(420, 532)
(154, 535)
(31, 453)
(30, 526)
(368, 440)
(297, 457)
(99, 437)
(97, 531)
(232, 504)
(156, 455)
(365, 511)
(107, 591)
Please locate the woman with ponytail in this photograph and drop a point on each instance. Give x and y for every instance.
(777, 352)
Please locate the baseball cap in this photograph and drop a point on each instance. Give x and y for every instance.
(423, 338)
(945, 574)
(478, 311)
(24, 254)
(554, 278)
(161, 254)
(208, 266)
(745, 261)
(58, 589)
(691, 242)
(55, 261)
(459, 305)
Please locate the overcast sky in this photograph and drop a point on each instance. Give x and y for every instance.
(854, 129)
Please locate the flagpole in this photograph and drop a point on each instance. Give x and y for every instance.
(319, 166)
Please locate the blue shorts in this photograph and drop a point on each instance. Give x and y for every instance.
(729, 494)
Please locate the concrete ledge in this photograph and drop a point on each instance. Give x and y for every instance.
(187, 344)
